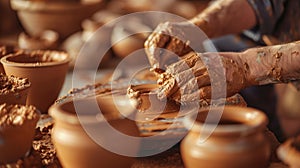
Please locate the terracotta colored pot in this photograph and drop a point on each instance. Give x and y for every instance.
(16, 135)
(238, 140)
(76, 148)
(289, 152)
(46, 70)
(62, 17)
(13, 90)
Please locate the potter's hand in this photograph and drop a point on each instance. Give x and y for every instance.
(174, 37)
(188, 79)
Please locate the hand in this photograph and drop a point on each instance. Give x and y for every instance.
(188, 79)
(175, 37)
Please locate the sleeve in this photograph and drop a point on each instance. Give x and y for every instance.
(268, 12)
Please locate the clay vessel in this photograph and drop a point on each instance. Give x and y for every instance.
(16, 135)
(76, 147)
(46, 70)
(13, 90)
(62, 17)
(289, 152)
(237, 141)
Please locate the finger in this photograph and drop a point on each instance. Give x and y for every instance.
(155, 47)
(188, 61)
(168, 88)
(203, 80)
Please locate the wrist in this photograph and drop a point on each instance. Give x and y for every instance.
(249, 67)
(203, 24)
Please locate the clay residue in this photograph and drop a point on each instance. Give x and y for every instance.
(16, 114)
(12, 84)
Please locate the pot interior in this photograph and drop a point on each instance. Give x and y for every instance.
(231, 116)
(38, 57)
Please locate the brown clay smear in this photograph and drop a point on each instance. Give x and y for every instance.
(16, 114)
(12, 84)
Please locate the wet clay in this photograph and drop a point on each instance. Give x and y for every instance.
(12, 84)
(16, 114)
(189, 79)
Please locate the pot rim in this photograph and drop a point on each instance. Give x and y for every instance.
(58, 113)
(4, 60)
(46, 6)
(254, 120)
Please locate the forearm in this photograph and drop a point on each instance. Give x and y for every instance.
(273, 64)
(226, 17)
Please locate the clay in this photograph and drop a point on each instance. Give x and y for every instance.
(75, 148)
(46, 70)
(238, 143)
(13, 90)
(17, 128)
(148, 102)
(188, 80)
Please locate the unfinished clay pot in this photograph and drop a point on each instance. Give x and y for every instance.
(237, 141)
(13, 90)
(46, 70)
(17, 129)
(62, 17)
(289, 152)
(76, 147)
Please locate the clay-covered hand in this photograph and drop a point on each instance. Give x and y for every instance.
(168, 41)
(193, 77)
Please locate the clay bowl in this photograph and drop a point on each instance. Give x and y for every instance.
(17, 129)
(289, 152)
(46, 70)
(13, 90)
(46, 40)
(237, 139)
(77, 148)
(62, 17)
(147, 101)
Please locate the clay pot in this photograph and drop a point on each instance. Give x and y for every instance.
(13, 90)
(46, 70)
(75, 146)
(237, 141)
(148, 102)
(289, 152)
(62, 17)
(16, 135)
(46, 40)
